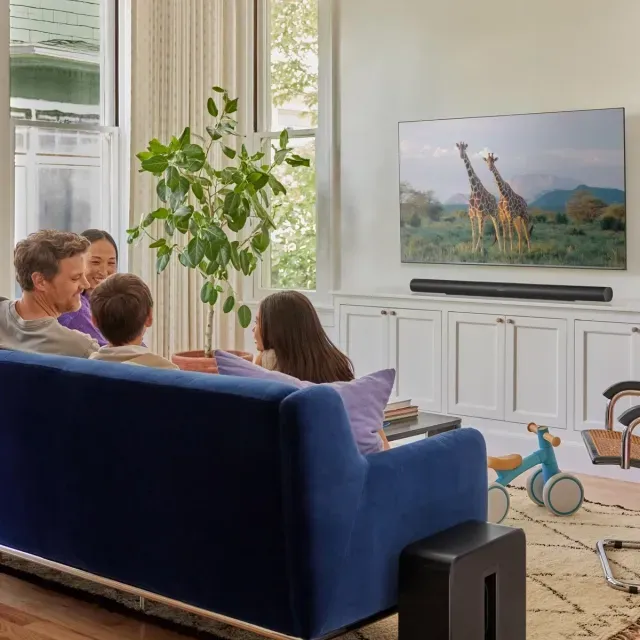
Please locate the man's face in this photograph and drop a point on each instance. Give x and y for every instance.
(63, 291)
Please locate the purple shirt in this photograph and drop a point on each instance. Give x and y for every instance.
(81, 321)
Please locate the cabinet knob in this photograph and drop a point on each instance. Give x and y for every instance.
(499, 320)
(392, 313)
(384, 312)
(510, 321)
(635, 329)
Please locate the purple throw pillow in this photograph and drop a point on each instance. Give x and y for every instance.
(364, 399)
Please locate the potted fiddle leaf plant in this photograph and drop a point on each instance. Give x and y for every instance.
(223, 213)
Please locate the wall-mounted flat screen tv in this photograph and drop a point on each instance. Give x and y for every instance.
(544, 189)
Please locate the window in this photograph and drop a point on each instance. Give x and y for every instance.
(287, 97)
(64, 114)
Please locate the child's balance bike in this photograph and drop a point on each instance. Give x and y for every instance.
(547, 486)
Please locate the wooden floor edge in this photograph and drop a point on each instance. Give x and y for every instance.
(144, 594)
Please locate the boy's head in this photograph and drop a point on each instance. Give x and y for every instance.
(122, 309)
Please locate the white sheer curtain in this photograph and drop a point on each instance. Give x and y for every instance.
(180, 50)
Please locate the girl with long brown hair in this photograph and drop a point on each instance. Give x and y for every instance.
(290, 339)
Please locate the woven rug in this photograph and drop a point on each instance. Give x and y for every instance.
(567, 597)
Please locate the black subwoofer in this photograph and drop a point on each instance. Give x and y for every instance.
(561, 293)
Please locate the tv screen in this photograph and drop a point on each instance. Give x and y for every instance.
(544, 189)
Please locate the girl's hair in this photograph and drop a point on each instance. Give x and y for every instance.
(93, 235)
(290, 326)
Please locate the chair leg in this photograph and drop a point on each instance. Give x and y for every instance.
(620, 585)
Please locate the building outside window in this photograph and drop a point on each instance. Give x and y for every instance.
(64, 112)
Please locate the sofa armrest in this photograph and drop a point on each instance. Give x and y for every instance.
(443, 480)
(348, 517)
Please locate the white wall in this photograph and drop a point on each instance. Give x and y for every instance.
(424, 59)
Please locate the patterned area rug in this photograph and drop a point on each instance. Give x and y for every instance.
(567, 596)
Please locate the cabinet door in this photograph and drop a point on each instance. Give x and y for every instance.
(476, 365)
(605, 353)
(364, 337)
(416, 355)
(536, 371)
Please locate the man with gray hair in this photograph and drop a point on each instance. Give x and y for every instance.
(50, 270)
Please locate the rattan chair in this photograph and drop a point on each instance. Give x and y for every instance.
(621, 448)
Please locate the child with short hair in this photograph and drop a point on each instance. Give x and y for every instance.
(122, 309)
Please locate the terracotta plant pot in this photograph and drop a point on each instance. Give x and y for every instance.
(196, 361)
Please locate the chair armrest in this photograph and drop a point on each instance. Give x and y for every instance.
(629, 416)
(619, 387)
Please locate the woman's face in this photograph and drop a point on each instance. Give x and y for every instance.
(101, 262)
(257, 337)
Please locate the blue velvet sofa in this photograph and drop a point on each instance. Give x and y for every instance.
(243, 498)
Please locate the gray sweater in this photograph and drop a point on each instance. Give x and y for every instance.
(44, 335)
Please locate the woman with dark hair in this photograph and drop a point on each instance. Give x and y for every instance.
(290, 339)
(102, 262)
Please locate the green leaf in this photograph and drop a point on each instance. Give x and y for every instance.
(177, 196)
(244, 316)
(214, 133)
(195, 250)
(276, 186)
(229, 303)
(185, 138)
(261, 212)
(183, 220)
(162, 191)
(231, 204)
(280, 156)
(259, 180)
(155, 164)
(243, 186)
(219, 90)
(229, 152)
(162, 261)
(239, 220)
(172, 178)
(184, 260)
(224, 254)
(145, 155)
(148, 220)
(298, 161)
(245, 262)
(284, 139)
(174, 145)
(260, 242)
(195, 157)
(198, 191)
(256, 157)
(212, 108)
(211, 268)
(231, 106)
(208, 293)
(133, 235)
(235, 258)
(156, 147)
(158, 243)
(169, 226)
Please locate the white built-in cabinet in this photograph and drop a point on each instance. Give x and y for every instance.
(508, 368)
(605, 353)
(406, 340)
(499, 362)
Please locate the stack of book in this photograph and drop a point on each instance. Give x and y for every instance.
(399, 410)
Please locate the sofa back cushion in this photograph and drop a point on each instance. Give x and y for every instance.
(364, 399)
(167, 480)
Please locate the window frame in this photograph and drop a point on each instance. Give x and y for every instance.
(325, 133)
(115, 58)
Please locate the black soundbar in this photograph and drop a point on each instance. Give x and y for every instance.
(513, 290)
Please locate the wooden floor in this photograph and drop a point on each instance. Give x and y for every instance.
(30, 612)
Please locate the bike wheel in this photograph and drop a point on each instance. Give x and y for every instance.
(563, 494)
(535, 487)
(499, 503)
